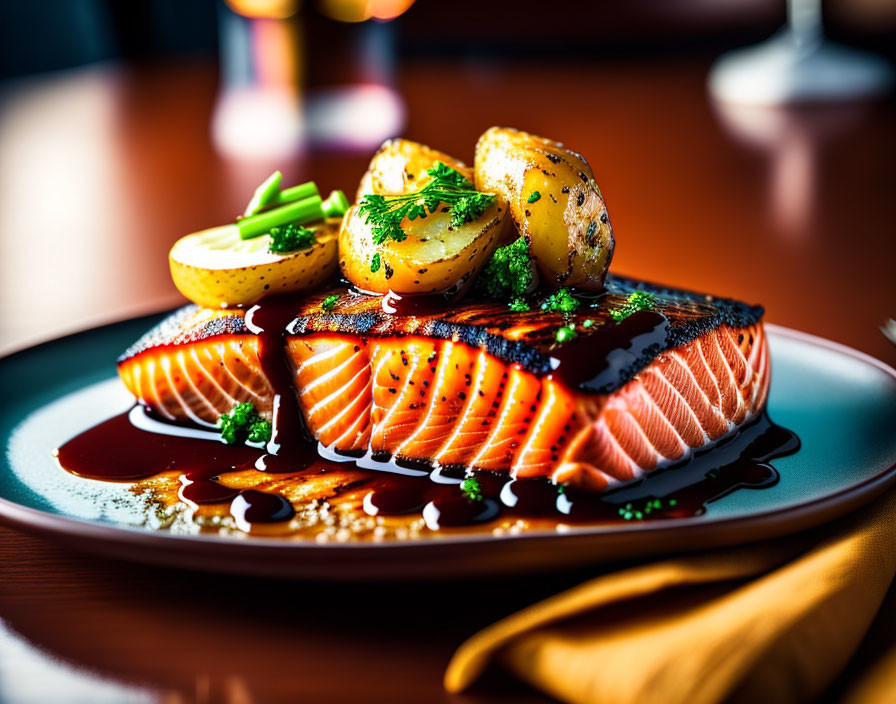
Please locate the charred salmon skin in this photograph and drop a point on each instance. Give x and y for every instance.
(479, 387)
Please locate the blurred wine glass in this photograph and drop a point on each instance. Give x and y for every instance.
(798, 64)
(265, 113)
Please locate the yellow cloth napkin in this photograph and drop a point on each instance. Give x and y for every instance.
(879, 687)
(773, 622)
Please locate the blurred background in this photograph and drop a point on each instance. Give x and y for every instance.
(125, 124)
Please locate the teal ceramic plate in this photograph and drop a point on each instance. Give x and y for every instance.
(841, 403)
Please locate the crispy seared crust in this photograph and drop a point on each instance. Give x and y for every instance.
(522, 338)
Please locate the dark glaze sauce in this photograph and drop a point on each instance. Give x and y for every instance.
(413, 304)
(595, 362)
(251, 506)
(736, 461)
(290, 449)
(117, 450)
(198, 489)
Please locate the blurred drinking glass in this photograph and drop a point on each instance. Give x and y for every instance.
(798, 65)
(265, 112)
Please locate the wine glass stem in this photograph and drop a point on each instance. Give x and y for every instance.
(804, 21)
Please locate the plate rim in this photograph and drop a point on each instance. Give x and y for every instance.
(41, 522)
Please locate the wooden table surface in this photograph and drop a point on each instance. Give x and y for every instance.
(101, 169)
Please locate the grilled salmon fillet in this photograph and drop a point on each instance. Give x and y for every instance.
(476, 386)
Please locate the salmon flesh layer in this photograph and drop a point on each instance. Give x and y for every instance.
(474, 385)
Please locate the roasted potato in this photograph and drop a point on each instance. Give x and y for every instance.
(217, 269)
(435, 257)
(554, 201)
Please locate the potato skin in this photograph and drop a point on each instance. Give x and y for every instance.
(568, 228)
(399, 165)
(303, 270)
(435, 257)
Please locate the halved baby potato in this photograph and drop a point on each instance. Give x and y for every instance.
(217, 269)
(435, 257)
(554, 201)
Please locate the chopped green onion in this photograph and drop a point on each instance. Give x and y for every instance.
(269, 198)
(293, 193)
(298, 212)
(335, 205)
(268, 195)
(264, 194)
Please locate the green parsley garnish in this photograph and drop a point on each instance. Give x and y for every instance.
(375, 263)
(637, 300)
(508, 274)
(468, 208)
(639, 510)
(566, 333)
(291, 237)
(386, 213)
(534, 197)
(587, 323)
(518, 305)
(243, 424)
(472, 488)
(562, 301)
(329, 302)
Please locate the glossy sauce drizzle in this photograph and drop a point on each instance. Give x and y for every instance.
(413, 304)
(594, 363)
(737, 461)
(117, 450)
(290, 448)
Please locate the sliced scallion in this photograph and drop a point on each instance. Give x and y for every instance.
(268, 195)
(264, 194)
(335, 205)
(298, 212)
(300, 192)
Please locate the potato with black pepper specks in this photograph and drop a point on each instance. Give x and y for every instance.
(554, 201)
(217, 269)
(436, 257)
